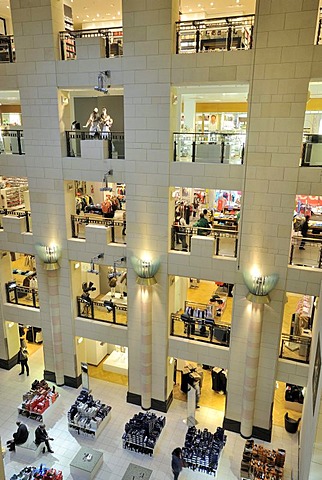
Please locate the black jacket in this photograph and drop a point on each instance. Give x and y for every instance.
(21, 435)
(40, 435)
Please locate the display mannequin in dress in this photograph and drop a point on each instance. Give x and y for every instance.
(93, 123)
(105, 122)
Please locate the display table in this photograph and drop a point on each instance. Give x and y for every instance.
(142, 432)
(117, 299)
(117, 362)
(260, 462)
(86, 463)
(39, 402)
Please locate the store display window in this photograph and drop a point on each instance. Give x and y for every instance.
(213, 213)
(297, 327)
(20, 278)
(101, 290)
(97, 204)
(202, 310)
(306, 238)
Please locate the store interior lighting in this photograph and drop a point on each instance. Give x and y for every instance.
(259, 287)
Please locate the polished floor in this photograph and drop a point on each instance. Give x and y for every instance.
(116, 459)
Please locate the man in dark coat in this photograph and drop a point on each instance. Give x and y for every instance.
(41, 436)
(19, 437)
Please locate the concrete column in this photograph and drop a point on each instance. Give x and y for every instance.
(57, 343)
(251, 370)
(146, 347)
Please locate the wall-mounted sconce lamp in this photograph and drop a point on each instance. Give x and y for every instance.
(49, 255)
(259, 287)
(145, 270)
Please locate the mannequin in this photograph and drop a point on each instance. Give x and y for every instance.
(93, 123)
(122, 284)
(112, 284)
(105, 122)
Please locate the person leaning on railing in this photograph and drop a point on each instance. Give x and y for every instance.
(203, 224)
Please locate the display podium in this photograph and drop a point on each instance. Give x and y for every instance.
(191, 407)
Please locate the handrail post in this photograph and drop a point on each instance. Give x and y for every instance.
(109, 140)
(320, 257)
(251, 37)
(319, 32)
(229, 37)
(197, 40)
(27, 222)
(175, 151)
(291, 254)
(222, 151)
(33, 294)
(177, 40)
(217, 246)
(193, 156)
(68, 143)
(113, 231)
(73, 227)
(236, 247)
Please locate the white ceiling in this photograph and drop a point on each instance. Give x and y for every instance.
(215, 93)
(98, 11)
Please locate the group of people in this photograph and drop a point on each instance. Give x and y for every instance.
(21, 436)
(99, 124)
(202, 223)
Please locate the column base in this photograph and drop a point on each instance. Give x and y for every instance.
(258, 432)
(73, 382)
(159, 405)
(9, 364)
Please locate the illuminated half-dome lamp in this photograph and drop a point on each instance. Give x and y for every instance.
(259, 287)
(49, 256)
(145, 270)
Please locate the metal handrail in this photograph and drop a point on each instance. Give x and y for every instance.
(88, 311)
(215, 232)
(7, 45)
(106, 222)
(207, 335)
(304, 346)
(15, 294)
(186, 145)
(73, 145)
(298, 241)
(215, 33)
(67, 39)
(18, 134)
(17, 213)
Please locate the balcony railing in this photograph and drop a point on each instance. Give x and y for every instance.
(7, 49)
(225, 240)
(319, 32)
(213, 34)
(117, 227)
(95, 310)
(11, 141)
(295, 348)
(25, 296)
(17, 213)
(311, 151)
(310, 256)
(113, 39)
(115, 143)
(202, 330)
(209, 147)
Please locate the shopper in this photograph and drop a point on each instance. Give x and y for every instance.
(94, 124)
(177, 462)
(19, 437)
(41, 436)
(23, 360)
(182, 234)
(203, 224)
(304, 230)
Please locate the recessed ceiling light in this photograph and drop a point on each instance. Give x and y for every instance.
(87, 16)
(212, 4)
(119, 13)
(113, 18)
(77, 16)
(190, 9)
(108, 14)
(199, 5)
(97, 14)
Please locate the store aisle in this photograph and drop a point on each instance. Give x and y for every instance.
(116, 459)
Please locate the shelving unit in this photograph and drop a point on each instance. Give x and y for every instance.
(95, 432)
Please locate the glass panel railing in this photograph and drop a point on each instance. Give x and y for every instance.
(7, 49)
(97, 310)
(115, 143)
(306, 252)
(17, 213)
(25, 296)
(225, 240)
(202, 330)
(215, 34)
(113, 40)
(311, 151)
(209, 147)
(11, 141)
(117, 227)
(295, 348)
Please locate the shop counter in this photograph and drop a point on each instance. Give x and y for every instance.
(86, 463)
(117, 362)
(117, 299)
